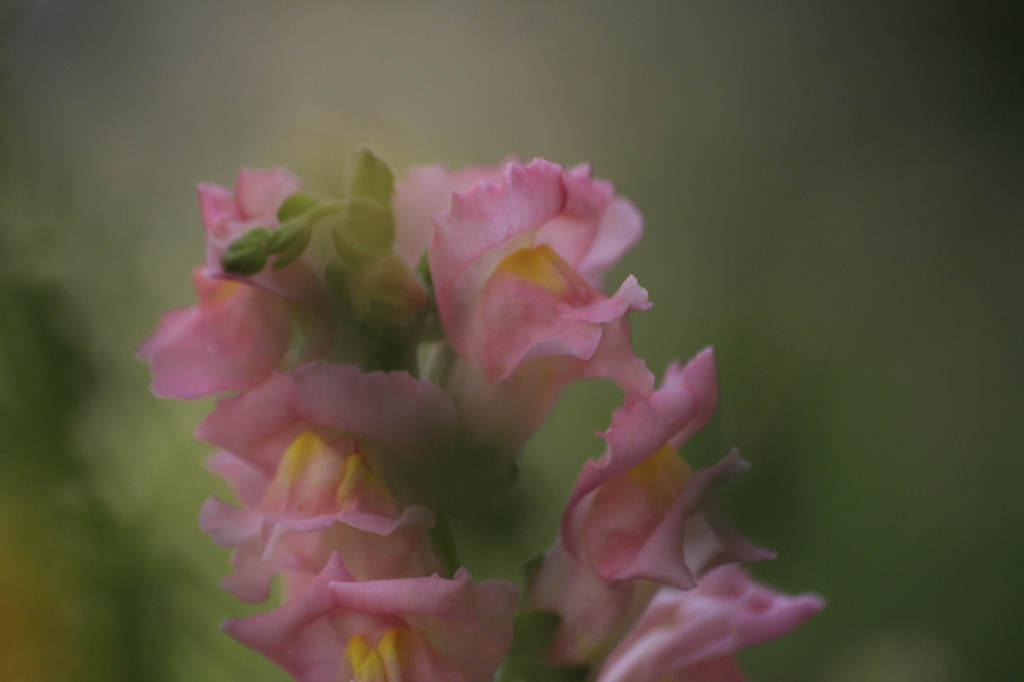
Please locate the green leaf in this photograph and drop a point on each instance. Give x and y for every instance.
(248, 253)
(295, 205)
(289, 241)
(369, 176)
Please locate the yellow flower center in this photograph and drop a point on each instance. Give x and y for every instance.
(661, 477)
(313, 478)
(545, 268)
(382, 663)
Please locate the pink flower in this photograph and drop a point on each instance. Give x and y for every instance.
(691, 636)
(424, 629)
(232, 340)
(257, 197)
(516, 267)
(639, 514)
(324, 458)
(320, 500)
(407, 426)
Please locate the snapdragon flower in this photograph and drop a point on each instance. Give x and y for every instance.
(381, 360)
(639, 517)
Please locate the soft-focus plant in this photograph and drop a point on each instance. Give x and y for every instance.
(382, 358)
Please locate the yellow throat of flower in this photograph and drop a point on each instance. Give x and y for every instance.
(382, 663)
(313, 478)
(545, 268)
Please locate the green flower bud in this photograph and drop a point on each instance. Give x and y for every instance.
(368, 176)
(289, 241)
(295, 205)
(363, 230)
(385, 295)
(248, 253)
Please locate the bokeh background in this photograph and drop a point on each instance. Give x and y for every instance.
(834, 198)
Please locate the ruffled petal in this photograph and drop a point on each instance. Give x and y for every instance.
(520, 320)
(595, 228)
(266, 543)
(327, 630)
(487, 216)
(469, 624)
(693, 536)
(232, 340)
(423, 192)
(260, 192)
(642, 426)
(691, 634)
(258, 425)
(298, 635)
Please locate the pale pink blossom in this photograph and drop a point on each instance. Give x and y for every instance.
(691, 636)
(320, 500)
(638, 517)
(231, 340)
(638, 512)
(327, 457)
(516, 265)
(426, 629)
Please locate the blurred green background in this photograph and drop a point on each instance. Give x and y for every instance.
(834, 198)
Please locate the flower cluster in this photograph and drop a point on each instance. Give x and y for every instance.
(381, 360)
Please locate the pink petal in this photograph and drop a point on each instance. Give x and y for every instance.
(248, 483)
(423, 192)
(297, 635)
(269, 542)
(595, 228)
(228, 342)
(414, 420)
(258, 195)
(483, 218)
(642, 426)
(216, 207)
(260, 192)
(519, 320)
(592, 610)
(683, 632)
(393, 407)
(694, 536)
(258, 425)
(470, 625)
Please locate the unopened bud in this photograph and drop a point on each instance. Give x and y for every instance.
(364, 230)
(295, 205)
(368, 176)
(289, 241)
(248, 253)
